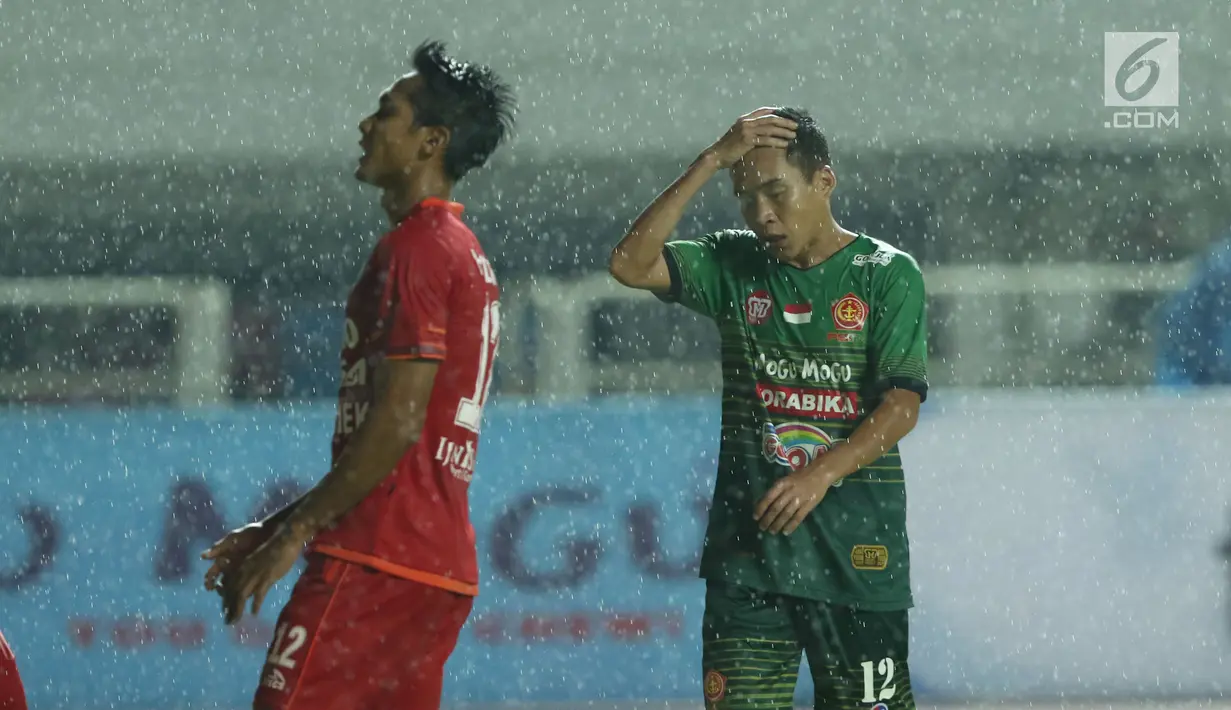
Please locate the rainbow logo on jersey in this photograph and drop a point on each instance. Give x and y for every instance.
(794, 445)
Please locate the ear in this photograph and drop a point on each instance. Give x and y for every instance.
(825, 180)
(436, 141)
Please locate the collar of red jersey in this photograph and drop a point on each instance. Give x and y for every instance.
(437, 203)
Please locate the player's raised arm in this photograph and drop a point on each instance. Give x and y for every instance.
(637, 261)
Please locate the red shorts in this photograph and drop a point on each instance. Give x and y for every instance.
(352, 638)
(12, 695)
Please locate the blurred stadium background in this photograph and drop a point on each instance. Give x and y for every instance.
(178, 226)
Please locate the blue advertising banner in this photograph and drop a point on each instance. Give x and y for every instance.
(589, 518)
(1061, 545)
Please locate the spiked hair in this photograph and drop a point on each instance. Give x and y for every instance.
(468, 99)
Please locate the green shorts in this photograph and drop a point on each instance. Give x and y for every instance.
(752, 643)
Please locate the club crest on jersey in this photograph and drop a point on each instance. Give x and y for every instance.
(795, 445)
(797, 313)
(757, 307)
(850, 313)
(870, 557)
(715, 686)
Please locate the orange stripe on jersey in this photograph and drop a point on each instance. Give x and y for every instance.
(453, 207)
(421, 355)
(396, 570)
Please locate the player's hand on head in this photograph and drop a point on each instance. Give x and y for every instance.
(231, 550)
(257, 574)
(759, 129)
(789, 502)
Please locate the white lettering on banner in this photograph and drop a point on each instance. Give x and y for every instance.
(351, 416)
(458, 459)
(806, 369)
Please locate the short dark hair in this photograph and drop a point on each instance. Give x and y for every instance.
(469, 99)
(810, 150)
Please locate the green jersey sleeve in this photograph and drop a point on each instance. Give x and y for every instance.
(898, 340)
(697, 267)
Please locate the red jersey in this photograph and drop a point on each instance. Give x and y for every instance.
(12, 695)
(427, 292)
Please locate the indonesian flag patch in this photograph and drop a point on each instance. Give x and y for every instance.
(797, 313)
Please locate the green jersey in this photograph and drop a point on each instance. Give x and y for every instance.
(806, 356)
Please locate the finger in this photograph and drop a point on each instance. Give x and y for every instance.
(777, 132)
(235, 612)
(799, 517)
(213, 578)
(221, 567)
(239, 597)
(765, 137)
(228, 605)
(763, 111)
(258, 596)
(762, 140)
(218, 548)
(212, 575)
(777, 508)
(769, 498)
(773, 120)
(231, 601)
(778, 519)
(773, 143)
(225, 593)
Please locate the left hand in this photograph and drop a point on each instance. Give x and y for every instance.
(790, 500)
(258, 573)
(230, 552)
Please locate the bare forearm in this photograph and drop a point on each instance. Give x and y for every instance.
(280, 517)
(376, 449)
(639, 250)
(888, 424)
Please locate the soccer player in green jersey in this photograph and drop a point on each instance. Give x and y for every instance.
(824, 367)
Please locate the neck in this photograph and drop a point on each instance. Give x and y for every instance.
(826, 241)
(398, 200)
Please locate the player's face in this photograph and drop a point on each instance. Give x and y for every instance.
(392, 144)
(779, 204)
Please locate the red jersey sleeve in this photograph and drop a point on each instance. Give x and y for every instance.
(419, 285)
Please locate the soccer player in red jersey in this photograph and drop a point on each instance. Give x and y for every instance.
(12, 695)
(392, 569)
